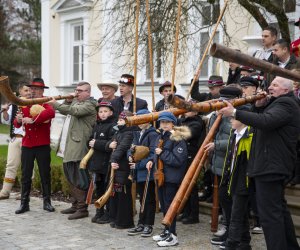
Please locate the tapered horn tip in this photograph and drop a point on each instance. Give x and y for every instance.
(213, 49)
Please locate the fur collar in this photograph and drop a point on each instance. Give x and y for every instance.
(180, 133)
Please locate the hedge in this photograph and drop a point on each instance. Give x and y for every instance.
(58, 181)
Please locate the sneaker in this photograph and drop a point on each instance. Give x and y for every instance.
(137, 230)
(164, 235)
(218, 240)
(148, 231)
(221, 231)
(257, 230)
(169, 241)
(222, 246)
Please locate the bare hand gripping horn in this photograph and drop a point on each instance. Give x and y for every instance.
(11, 97)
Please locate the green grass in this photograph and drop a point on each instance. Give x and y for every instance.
(4, 129)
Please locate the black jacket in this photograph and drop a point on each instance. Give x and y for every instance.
(124, 139)
(237, 180)
(118, 105)
(103, 132)
(160, 105)
(198, 131)
(201, 97)
(234, 77)
(277, 127)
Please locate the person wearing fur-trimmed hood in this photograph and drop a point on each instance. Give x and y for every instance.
(174, 157)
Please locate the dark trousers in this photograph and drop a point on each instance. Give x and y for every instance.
(191, 208)
(239, 223)
(169, 191)
(76, 177)
(120, 207)
(42, 155)
(148, 215)
(253, 204)
(274, 215)
(226, 204)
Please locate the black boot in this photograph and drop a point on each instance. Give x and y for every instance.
(46, 196)
(98, 215)
(24, 207)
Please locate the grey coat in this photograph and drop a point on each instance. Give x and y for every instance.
(83, 117)
(221, 140)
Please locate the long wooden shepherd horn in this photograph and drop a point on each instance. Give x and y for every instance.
(231, 55)
(6, 91)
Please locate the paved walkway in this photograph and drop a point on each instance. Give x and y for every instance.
(38, 229)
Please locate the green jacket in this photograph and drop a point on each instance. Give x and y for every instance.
(83, 117)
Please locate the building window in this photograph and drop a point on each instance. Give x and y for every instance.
(77, 53)
(157, 59)
(210, 63)
(210, 13)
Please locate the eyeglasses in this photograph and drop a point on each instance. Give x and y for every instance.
(79, 90)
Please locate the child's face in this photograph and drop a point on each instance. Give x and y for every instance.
(121, 122)
(104, 113)
(143, 126)
(166, 125)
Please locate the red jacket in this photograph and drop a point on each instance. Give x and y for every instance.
(295, 47)
(37, 133)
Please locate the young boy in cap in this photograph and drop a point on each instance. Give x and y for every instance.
(173, 154)
(120, 207)
(249, 85)
(145, 137)
(237, 183)
(165, 90)
(98, 164)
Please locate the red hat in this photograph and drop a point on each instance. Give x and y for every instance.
(215, 81)
(105, 104)
(246, 68)
(37, 82)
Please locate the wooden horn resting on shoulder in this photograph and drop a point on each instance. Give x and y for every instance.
(231, 55)
(6, 91)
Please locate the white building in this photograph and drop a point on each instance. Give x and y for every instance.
(69, 29)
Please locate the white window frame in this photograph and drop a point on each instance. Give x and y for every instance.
(80, 44)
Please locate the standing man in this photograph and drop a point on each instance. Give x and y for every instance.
(165, 90)
(108, 91)
(125, 101)
(15, 144)
(81, 118)
(35, 146)
(269, 36)
(273, 158)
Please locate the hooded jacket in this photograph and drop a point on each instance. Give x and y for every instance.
(174, 153)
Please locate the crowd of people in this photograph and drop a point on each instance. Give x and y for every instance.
(254, 155)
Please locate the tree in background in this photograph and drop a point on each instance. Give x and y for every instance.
(20, 39)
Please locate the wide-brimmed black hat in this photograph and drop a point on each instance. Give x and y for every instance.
(230, 92)
(37, 82)
(249, 81)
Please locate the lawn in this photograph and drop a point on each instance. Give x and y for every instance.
(4, 129)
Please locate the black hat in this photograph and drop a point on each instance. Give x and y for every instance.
(215, 81)
(297, 23)
(246, 68)
(127, 79)
(166, 84)
(230, 93)
(105, 104)
(249, 81)
(37, 82)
